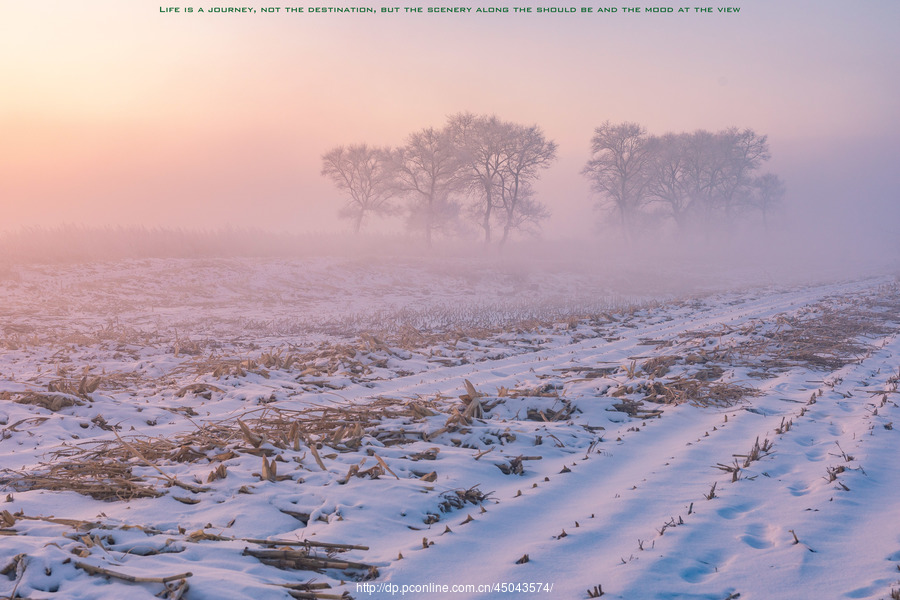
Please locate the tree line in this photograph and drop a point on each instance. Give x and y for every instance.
(475, 168)
(479, 170)
(699, 178)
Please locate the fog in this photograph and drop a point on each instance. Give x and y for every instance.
(129, 133)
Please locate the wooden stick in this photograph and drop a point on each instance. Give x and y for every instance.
(482, 453)
(92, 570)
(301, 559)
(223, 538)
(302, 595)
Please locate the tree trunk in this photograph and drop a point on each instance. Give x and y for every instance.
(505, 235)
(624, 223)
(486, 224)
(429, 218)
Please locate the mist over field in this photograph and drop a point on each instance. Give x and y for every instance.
(373, 280)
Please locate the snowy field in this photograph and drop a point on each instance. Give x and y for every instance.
(326, 428)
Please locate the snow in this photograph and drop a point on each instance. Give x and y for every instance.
(464, 416)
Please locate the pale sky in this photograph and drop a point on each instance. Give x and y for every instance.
(114, 112)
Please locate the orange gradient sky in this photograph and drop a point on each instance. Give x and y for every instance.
(113, 112)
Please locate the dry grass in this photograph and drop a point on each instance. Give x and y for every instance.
(101, 480)
(103, 469)
(825, 336)
(698, 391)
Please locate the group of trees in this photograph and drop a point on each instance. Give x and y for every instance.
(480, 169)
(695, 179)
(475, 166)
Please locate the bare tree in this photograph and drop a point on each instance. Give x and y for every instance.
(769, 191)
(528, 214)
(427, 170)
(480, 142)
(619, 168)
(363, 173)
(526, 152)
(700, 177)
(745, 152)
(669, 183)
(707, 160)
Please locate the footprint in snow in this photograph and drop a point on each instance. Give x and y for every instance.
(876, 587)
(703, 568)
(733, 512)
(758, 536)
(798, 489)
(816, 455)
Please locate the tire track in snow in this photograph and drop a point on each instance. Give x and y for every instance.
(534, 523)
(750, 534)
(505, 371)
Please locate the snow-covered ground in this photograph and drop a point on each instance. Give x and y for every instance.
(330, 428)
